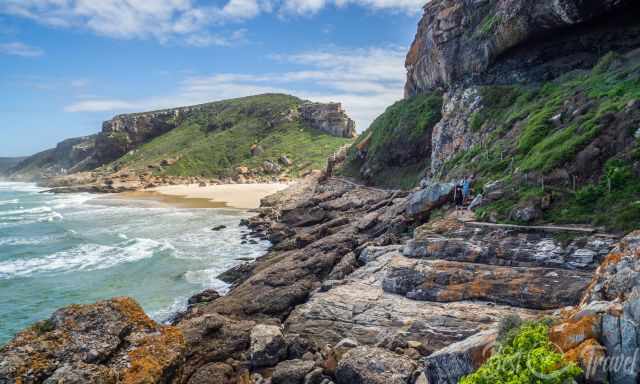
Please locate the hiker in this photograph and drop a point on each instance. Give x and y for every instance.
(466, 188)
(458, 197)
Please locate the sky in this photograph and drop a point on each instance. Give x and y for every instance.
(68, 65)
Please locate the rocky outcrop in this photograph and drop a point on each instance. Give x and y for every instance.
(111, 341)
(126, 132)
(329, 118)
(504, 41)
(450, 364)
(449, 240)
(450, 281)
(367, 365)
(601, 334)
(359, 308)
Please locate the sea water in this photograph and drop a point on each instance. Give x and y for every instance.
(59, 249)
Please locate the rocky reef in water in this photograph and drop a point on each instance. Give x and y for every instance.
(365, 285)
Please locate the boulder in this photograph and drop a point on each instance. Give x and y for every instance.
(205, 296)
(370, 365)
(109, 341)
(242, 170)
(284, 160)
(292, 372)
(429, 198)
(256, 150)
(526, 214)
(268, 345)
(212, 338)
(219, 373)
(450, 364)
(270, 167)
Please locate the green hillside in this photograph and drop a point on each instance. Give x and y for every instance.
(570, 147)
(218, 137)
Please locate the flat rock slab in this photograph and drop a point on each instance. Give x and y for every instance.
(451, 281)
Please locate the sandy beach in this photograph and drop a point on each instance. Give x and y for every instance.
(240, 196)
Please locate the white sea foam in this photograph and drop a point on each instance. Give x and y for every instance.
(86, 257)
(20, 187)
(71, 201)
(9, 202)
(30, 211)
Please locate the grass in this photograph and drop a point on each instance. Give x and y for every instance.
(214, 141)
(516, 120)
(399, 141)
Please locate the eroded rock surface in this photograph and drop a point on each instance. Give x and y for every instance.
(112, 341)
(504, 41)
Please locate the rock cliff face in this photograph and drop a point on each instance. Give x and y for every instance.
(329, 118)
(126, 132)
(507, 41)
(256, 117)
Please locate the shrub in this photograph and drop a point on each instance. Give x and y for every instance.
(523, 357)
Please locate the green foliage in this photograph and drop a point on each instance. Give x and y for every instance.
(399, 142)
(525, 356)
(213, 141)
(604, 64)
(488, 25)
(44, 326)
(507, 326)
(613, 203)
(406, 120)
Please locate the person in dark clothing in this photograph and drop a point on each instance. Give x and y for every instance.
(458, 197)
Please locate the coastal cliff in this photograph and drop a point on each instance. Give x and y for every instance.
(264, 135)
(372, 285)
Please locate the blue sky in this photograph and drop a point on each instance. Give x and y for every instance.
(68, 65)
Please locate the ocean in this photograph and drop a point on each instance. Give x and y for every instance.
(63, 249)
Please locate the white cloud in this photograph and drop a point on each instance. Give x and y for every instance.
(100, 105)
(365, 81)
(207, 39)
(20, 49)
(167, 20)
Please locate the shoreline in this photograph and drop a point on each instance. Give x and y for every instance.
(233, 196)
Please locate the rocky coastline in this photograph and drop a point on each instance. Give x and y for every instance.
(354, 290)
(365, 285)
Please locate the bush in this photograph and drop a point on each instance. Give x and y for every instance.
(523, 357)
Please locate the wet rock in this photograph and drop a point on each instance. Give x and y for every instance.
(292, 372)
(236, 274)
(218, 228)
(369, 365)
(205, 296)
(268, 346)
